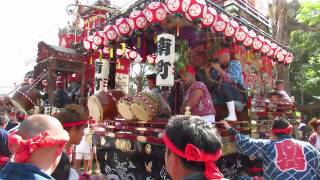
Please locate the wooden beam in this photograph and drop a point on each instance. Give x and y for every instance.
(52, 77)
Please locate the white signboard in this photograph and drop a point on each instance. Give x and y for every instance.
(165, 59)
(101, 75)
(122, 82)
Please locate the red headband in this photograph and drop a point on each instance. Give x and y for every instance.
(78, 123)
(192, 153)
(286, 130)
(223, 51)
(23, 149)
(189, 69)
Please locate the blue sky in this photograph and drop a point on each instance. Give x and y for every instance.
(23, 25)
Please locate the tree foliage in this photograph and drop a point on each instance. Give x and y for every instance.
(309, 12)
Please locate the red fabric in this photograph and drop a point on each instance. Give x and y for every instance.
(223, 51)
(4, 160)
(192, 153)
(189, 69)
(23, 149)
(255, 169)
(81, 122)
(287, 130)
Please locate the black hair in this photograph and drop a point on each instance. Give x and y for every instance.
(274, 93)
(280, 123)
(182, 130)
(278, 82)
(152, 76)
(71, 114)
(4, 118)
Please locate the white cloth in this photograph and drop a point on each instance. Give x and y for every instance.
(209, 118)
(85, 156)
(84, 146)
(317, 145)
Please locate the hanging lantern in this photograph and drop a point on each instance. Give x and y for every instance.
(125, 26)
(241, 33)
(288, 59)
(209, 18)
(105, 50)
(151, 59)
(133, 54)
(273, 47)
(276, 52)
(119, 52)
(258, 42)
(178, 6)
(88, 42)
(98, 38)
(231, 28)
(197, 9)
(249, 39)
(281, 55)
(155, 12)
(266, 46)
(139, 20)
(221, 23)
(111, 32)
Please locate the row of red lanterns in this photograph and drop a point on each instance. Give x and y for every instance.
(156, 12)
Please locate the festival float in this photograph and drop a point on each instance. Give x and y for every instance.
(162, 35)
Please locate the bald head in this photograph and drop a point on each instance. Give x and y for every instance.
(39, 123)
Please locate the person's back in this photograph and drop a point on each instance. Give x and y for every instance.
(23, 171)
(283, 157)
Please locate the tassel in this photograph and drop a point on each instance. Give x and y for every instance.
(100, 55)
(138, 41)
(91, 59)
(155, 37)
(123, 47)
(178, 28)
(111, 53)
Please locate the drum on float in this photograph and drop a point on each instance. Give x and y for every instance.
(102, 105)
(145, 107)
(123, 106)
(25, 98)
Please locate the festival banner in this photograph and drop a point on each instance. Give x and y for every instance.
(165, 59)
(101, 75)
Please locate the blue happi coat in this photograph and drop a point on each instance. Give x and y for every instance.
(286, 158)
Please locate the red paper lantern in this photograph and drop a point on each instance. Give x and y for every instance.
(266, 46)
(231, 28)
(178, 6)
(209, 18)
(288, 59)
(133, 54)
(139, 20)
(105, 50)
(276, 52)
(258, 42)
(197, 9)
(241, 33)
(151, 59)
(119, 52)
(111, 32)
(273, 47)
(88, 42)
(221, 23)
(155, 12)
(125, 26)
(98, 38)
(281, 55)
(249, 39)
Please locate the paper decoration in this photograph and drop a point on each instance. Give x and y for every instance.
(101, 75)
(165, 59)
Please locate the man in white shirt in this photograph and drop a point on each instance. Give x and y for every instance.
(84, 152)
(281, 89)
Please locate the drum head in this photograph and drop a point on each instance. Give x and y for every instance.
(95, 108)
(140, 111)
(124, 110)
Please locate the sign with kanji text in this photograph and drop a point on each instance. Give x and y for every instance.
(101, 75)
(165, 59)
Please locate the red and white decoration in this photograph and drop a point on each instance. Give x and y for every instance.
(178, 6)
(197, 9)
(231, 28)
(249, 39)
(258, 42)
(88, 42)
(156, 12)
(111, 32)
(209, 18)
(139, 20)
(98, 38)
(221, 23)
(241, 33)
(125, 26)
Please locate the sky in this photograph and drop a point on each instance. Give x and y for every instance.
(23, 25)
